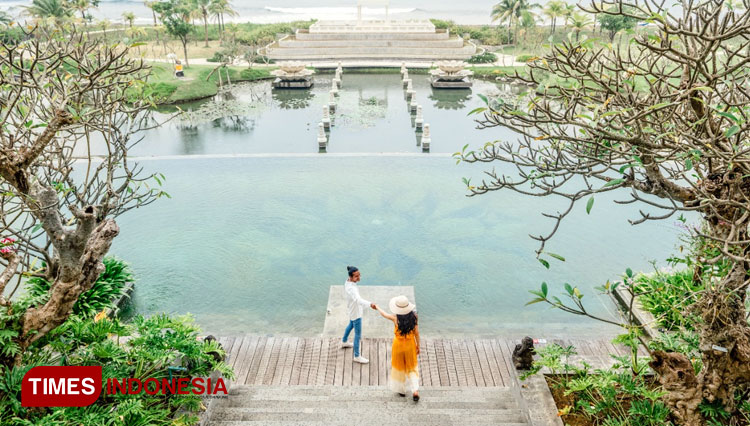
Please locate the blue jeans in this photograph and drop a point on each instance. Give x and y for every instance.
(357, 326)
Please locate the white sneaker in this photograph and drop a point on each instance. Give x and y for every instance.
(347, 345)
(362, 360)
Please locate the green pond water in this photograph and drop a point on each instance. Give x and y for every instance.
(260, 224)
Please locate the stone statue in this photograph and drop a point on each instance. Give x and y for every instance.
(523, 354)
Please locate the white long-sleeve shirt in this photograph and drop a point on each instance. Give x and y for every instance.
(354, 302)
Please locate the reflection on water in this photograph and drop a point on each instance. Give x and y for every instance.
(372, 115)
(292, 98)
(450, 98)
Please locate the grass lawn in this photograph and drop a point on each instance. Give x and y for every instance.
(194, 85)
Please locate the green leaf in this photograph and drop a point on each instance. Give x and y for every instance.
(483, 98)
(629, 273)
(537, 300)
(729, 116)
(477, 110)
(688, 164)
(556, 256)
(544, 262)
(589, 205)
(613, 182)
(544, 289)
(569, 289)
(732, 131)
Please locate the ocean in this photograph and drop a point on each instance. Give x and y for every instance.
(474, 12)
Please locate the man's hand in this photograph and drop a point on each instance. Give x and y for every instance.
(373, 306)
(417, 349)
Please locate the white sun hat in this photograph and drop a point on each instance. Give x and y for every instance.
(400, 305)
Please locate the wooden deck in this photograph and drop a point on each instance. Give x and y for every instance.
(262, 360)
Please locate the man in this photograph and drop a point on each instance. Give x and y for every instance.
(354, 304)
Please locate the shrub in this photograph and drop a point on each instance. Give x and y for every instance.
(107, 288)
(442, 24)
(615, 396)
(484, 58)
(153, 345)
(524, 57)
(254, 74)
(218, 57)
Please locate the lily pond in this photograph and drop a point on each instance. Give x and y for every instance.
(260, 223)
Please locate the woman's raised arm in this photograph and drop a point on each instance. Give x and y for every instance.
(385, 314)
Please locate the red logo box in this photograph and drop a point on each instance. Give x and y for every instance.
(60, 386)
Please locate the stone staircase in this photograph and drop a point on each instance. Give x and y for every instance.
(432, 46)
(365, 405)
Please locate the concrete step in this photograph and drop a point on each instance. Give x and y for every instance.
(425, 402)
(368, 50)
(408, 413)
(372, 36)
(455, 42)
(373, 405)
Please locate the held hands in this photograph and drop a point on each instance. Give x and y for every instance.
(373, 306)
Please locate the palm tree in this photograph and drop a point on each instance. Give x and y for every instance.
(218, 9)
(554, 10)
(48, 9)
(567, 12)
(511, 11)
(580, 22)
(200, 10)
(81, 6)
(5, 19)
(130, 17)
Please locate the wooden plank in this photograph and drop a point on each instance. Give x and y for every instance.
(424, 366)
(340, 354)
(319, 378)
(504, 362)
(307, 360)
(264, 361)
(450, 363)
(383, 367)
(257, 358)
(297, 363)
(317, 358)
(440, 365)
(347, 363)
(333, 349)
(356, 367)
(460, 346)
(244, 358)
(484, 364)
(473, 370)
(388, 349)
(432, 360)
(497, 377)
(235, 350)
(476, 365)
(458, 361)
(374, 362)
(364, 379)
(288, 364)
(273, 361)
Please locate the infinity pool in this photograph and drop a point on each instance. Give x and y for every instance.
(260, 224)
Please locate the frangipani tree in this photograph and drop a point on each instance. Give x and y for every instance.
(62, 93)
(664, 120)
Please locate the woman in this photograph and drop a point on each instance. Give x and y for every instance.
(405, 346)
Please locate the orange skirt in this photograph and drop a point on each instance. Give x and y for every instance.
(404, 367)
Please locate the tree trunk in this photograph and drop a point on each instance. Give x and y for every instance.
(724, 344)
(205, 28)
(184, 49)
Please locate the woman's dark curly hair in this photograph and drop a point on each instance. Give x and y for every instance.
(406, 323)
